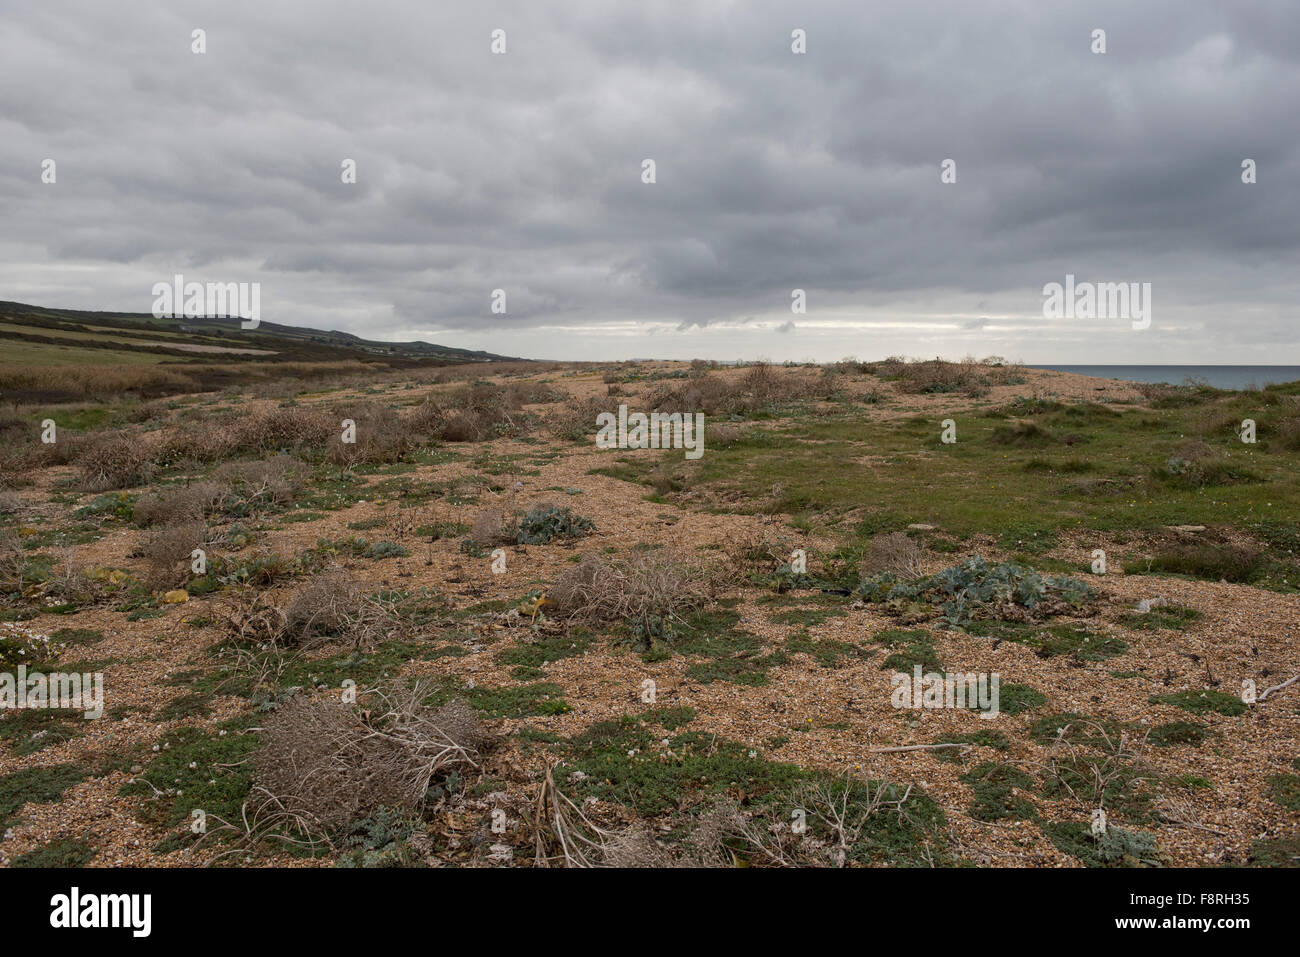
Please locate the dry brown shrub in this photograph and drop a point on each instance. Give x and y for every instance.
(428, 420)
(286, 428)
(381, 436)
(641, 589)
(708, 394)
(75, 583)
(253, 618)
(115, 460)
(12, 562)
(760, 380)
(333, 608)
(209, 441)
(168, 553)
(723, 435)
(936, 375)
(576, 418)
(894, 552)
(269, 481)
(11, 503)
(184, 504)
(340, 762)
(756, 549)
(465, 426)
(494, 527)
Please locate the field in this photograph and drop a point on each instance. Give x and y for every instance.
(378, 614)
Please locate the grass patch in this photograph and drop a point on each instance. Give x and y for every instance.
(41, 785)
(1203, 702)
(64, 852)
(1051, 641)
(1177, 733)
(996, 788)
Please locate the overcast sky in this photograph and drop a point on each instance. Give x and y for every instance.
(774, 171)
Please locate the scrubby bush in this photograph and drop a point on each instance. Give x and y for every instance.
(576, 419)
(895, 553)
(380, 435)
(168, 553)
(647, 591)
(339, 763)
(332, 607)
(115, 460)
(284, 429)
(493, 527)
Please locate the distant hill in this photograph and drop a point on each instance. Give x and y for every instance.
(36, 335)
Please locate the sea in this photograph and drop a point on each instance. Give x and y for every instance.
(1220, 377)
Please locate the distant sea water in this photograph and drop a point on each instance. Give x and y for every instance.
(1220, 377)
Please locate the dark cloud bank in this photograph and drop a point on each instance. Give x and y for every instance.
(774, 171)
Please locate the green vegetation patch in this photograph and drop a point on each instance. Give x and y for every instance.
(826, 652)
(1203, 702)
(996, 788)
(1116, 847)
(633, 762)
(40, 785)
(1171, 617)
(910, 649)
(62, 852)
(1178, 733)
(1285, 790)
(527, 657)
(195, 768)
(1050, 641)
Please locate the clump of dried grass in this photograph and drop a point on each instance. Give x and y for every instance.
(644, 589)
(239, 487)
(761, 381)
(115, 460)
(894, 552)
(339, 762)
(253, 618)
(576, 419)
(269, 481)
(708, 394)
(180, 505)
(493, 527)
(380, 435)
(13, 565)
(168, 552)
(427, 420)
(466, 426)
(332, 607)
(484, 410)
(285, 428)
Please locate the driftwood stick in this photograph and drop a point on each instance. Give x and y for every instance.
(917, 747)
(1284, 684)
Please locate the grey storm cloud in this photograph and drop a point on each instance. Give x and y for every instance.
(774, 171)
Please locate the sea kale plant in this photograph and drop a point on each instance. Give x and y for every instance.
(546, 522)
(977, 589)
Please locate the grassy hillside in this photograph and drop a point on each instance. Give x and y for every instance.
(37, 345)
